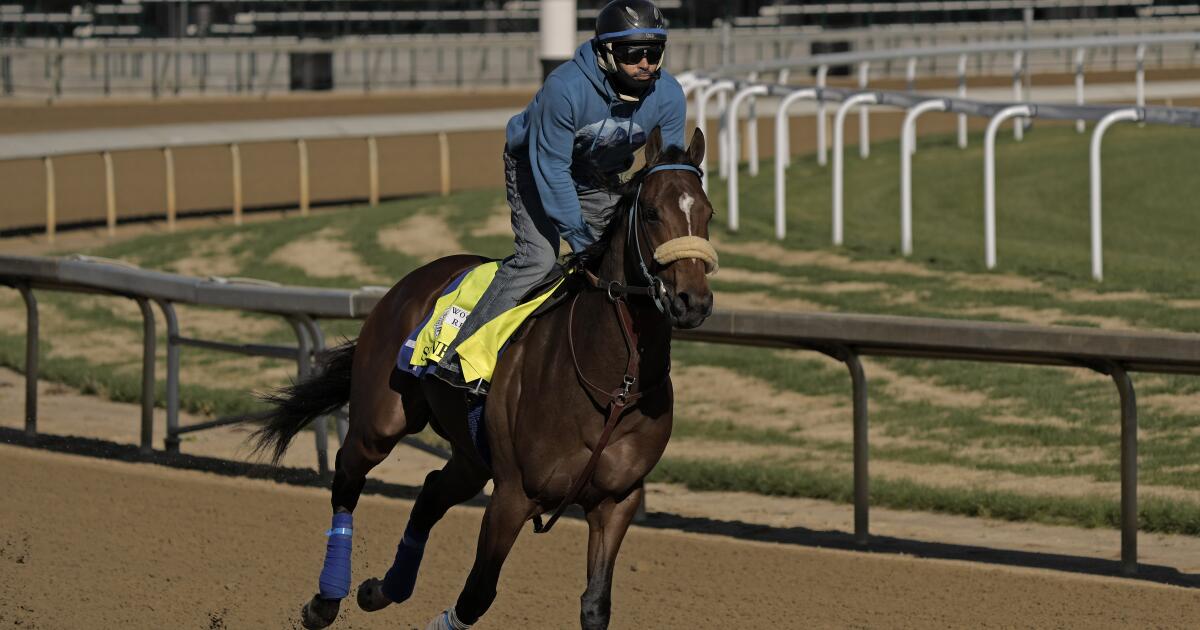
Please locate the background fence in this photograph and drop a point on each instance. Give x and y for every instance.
(161, 68)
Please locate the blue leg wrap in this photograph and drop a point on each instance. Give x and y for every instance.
(335, 575)
(402, 577)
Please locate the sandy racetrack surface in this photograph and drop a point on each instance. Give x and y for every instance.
(88, 543)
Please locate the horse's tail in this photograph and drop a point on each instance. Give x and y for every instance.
(300, 403)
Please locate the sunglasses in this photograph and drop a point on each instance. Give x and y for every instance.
(631, 55)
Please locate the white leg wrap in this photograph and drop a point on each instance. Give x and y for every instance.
(447, 620)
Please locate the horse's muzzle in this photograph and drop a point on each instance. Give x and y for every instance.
(689, 309)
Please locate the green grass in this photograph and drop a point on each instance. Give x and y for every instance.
(1154, 514)
(1042, 206)
(1150, 227)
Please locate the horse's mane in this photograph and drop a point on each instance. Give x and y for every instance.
(627, 191)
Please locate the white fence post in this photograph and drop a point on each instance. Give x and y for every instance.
(1018, 62)
(782, 157)
(1097, 137)
(962, 93)
(909, 132)
(822, 75)
(838, 128)
(731, 123)
(989, 179)
(1080, 56)
(702, 97)
(751, 132)
(864, 113)
(1140, 77)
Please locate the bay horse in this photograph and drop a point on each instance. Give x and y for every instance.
(579, 409)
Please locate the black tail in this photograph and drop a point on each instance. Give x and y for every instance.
(300, 403)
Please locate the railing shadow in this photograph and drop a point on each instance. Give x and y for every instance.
(798, 536)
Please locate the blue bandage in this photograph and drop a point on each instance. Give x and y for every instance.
(335, 575)
(402, 577)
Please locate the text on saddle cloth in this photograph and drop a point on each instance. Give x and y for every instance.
(477, 355)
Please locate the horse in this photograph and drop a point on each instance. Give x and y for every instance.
(579, 410)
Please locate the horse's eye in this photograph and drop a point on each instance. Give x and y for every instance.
(650, 213)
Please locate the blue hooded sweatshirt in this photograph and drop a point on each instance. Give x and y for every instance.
(577, 127)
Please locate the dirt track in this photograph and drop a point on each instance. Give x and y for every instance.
(94, 543)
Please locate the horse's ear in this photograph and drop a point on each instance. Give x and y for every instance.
(695, 150)
(653, 146)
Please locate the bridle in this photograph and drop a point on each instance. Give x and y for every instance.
(623, 395)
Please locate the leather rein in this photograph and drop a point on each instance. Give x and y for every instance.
(622, 396)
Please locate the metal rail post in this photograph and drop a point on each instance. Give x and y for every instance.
(782, 156)
(864, 113)
(171, 441)
(862, 479)
(862, 487)
(731, 123)
(1129, 469)
(907, 135)
(110, 194)
(372, 171)
(169, 165)
(1134, 114)
(822, 149)
(989, 178)
(444, 161)
(838, 128)
(32, 326)
(304, 366)
(51, 201)
(235, 155)
(318, 340)
(302, 151)
(1080, 55)
(148, 349)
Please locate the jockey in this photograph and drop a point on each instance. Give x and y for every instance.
(567, 149)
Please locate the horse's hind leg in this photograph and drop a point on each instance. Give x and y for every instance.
(607, 524)
(378, 420)
(456, 482)
(506, 513)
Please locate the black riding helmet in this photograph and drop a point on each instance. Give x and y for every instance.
(623, 23)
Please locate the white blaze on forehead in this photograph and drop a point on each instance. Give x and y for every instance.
(685, 204)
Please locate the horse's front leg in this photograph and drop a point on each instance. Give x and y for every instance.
(502, 520)
(607, 524)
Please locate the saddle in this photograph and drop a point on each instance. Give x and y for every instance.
(478, 355)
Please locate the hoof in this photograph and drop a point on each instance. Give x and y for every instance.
(319, 613)
(371, 597)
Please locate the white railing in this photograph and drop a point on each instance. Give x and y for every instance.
(720, 81)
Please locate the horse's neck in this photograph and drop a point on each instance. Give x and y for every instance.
(599, 329)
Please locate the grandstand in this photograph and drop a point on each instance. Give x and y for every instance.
(63, 19)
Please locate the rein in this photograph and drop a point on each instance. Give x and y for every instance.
(622, 396)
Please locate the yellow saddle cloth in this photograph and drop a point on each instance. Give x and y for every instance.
(479, 353)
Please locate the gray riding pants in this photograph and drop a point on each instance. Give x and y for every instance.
(535, 243)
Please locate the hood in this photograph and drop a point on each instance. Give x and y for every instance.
(585, 58)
